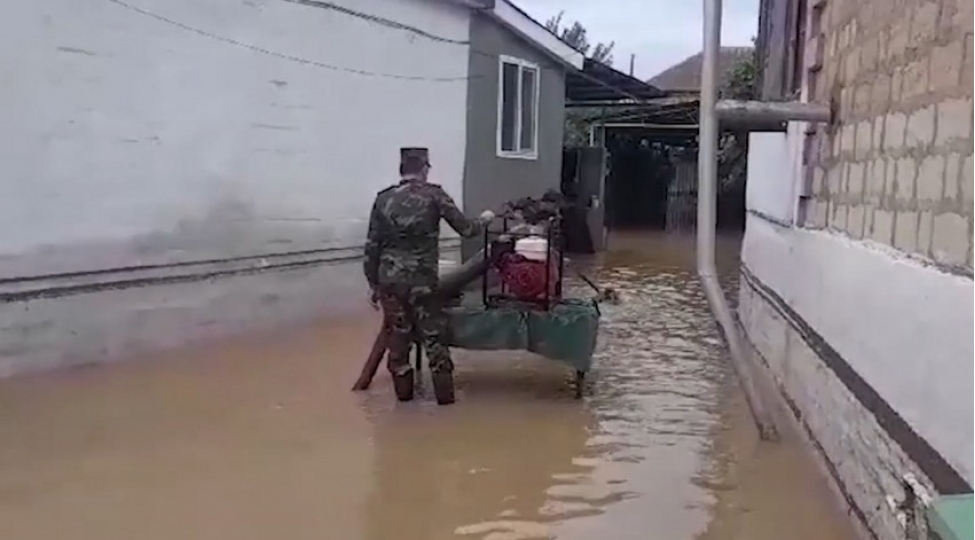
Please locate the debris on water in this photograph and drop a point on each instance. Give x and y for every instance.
(608, 295)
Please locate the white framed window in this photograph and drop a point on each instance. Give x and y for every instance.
(518, 82)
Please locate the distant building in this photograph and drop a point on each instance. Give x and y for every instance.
(857, 283)
(685, 76)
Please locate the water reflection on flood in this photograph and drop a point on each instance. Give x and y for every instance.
(262, 439)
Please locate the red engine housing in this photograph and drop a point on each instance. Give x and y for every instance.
(525, 278)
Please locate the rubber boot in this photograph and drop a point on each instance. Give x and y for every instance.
(403, 386)
(443, 387)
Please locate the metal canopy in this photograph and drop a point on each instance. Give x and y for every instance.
(679, 114)
(596, 84)
(672, 118)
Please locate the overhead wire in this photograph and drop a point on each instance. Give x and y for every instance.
(322, 4)
(283, 56)
(379, 20)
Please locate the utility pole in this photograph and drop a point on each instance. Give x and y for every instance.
(632, 58)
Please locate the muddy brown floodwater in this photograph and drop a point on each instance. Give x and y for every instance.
(261, 438)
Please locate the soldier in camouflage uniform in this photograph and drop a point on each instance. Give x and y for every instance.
(402, 259)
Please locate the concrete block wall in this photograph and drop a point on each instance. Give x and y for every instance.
(896, 167)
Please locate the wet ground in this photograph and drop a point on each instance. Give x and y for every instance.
(262, 439)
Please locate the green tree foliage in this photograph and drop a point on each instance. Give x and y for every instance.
(575, 36)
(740, 83)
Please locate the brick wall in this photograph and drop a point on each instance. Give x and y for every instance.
(896, 166)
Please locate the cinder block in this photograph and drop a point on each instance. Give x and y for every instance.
(967, 182)
(855, 220)
(852, 65)
(946, 63)
(823, 145)
(882, 229)
(855, 180)
(920, 127)
(868, 55)
(877, 140)
(949, 241)
(900, 34)
(848, 141)
(925, 228)
(924, 23)
(905, 231)
(890, 178)
(875, 177)
(836, 142)
(834, 178)
(897, 85)
(864, 138)
(915, 78)
(953, 166)
(817, 214)
(962, 19)
(863, 94)
(930, 178)
(818, 179)
(966, 65)
(904, 183)
(954, 120)
(895, 130)
(838, 216)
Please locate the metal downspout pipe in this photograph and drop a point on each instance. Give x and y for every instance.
(707, 203)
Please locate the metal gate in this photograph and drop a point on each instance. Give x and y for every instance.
(682, 197)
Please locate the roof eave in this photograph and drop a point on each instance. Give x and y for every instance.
(517, 21)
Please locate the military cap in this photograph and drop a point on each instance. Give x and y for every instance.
(414, 154)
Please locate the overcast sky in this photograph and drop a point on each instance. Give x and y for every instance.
(660, 33)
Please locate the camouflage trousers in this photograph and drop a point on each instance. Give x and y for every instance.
(413, 314)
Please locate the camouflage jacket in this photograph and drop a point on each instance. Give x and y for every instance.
(403, 242)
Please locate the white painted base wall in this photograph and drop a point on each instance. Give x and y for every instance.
(211, 128)
(848, 441)
(904, 326)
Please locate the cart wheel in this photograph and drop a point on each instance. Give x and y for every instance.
(580, 383)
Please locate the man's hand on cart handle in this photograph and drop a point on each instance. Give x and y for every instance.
(487, 216)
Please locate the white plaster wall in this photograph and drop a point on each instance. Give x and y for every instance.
(126, 139)
(905, 327)
(770, 189)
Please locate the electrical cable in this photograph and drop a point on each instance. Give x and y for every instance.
(379, 20)
(371, 18)
(400, 26)
(283, 56)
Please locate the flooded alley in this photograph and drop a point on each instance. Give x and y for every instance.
(261, 438)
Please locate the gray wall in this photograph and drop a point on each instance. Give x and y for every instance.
(490, 180)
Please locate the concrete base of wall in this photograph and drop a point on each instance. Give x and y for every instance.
(111, 325)
(79, 320)
(864, 463)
